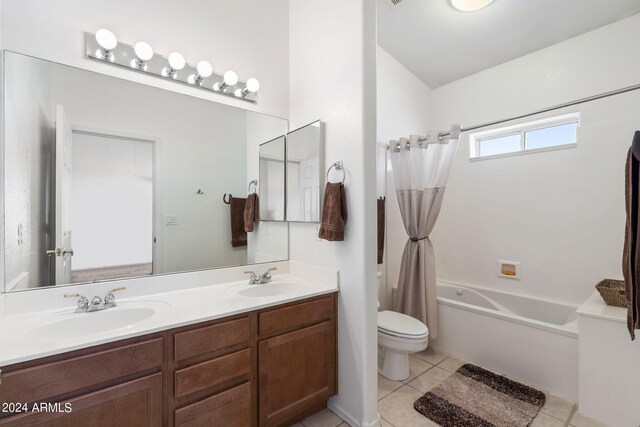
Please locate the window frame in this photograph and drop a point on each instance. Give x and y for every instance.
(475, 139)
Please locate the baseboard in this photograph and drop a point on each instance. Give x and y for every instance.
(348, 418)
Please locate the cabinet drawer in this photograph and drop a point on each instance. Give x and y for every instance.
(136, 403)
(231, 408)
(213, 372)
(211, 338)
(286, 319)
(64, 377)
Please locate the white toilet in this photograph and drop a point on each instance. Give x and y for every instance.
(398, 335)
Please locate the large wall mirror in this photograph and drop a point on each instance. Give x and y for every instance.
(107, 179)
(304, 173)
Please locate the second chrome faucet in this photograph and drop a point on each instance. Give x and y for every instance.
(261, 279)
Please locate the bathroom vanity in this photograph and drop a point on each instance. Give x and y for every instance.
(269, 366)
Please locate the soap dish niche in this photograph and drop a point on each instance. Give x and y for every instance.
(509, 269)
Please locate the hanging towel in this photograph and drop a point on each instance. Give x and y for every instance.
(238, 235)
(631, 256)
(381, 220)
(251, 212)
(334, 212)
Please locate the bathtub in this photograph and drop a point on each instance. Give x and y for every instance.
(528, 339)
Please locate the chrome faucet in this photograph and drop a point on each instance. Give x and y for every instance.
(97, 303)
(261, 279)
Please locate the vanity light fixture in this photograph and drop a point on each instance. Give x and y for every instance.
(252, 86)
(203, 70)
(230, 79)
(470, 5)
(107, 42)
(176, 63)
(140, 57)
(144, 53)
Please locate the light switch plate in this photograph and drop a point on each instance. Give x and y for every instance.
(172, 220)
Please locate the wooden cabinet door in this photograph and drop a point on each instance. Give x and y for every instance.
(297, 372)
(136, 403)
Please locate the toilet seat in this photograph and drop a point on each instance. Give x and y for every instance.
(401, 326)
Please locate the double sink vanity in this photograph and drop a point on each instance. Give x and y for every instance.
(214, 352)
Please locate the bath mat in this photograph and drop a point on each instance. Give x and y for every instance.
(475, 397)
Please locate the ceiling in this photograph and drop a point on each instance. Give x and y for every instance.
(440, 44)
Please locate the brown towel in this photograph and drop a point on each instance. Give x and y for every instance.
(631, 255)
(251, 212)
(334, 212)
(381, 220)
(236, 209)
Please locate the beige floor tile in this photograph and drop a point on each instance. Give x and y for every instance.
(544, 420)
(386, 386)
(324, 418)
(417, 367)
(385, 423)
(557, 407)
(580, 420)
(397, 409)
(431, 356)
(451, 364)
(429, 379)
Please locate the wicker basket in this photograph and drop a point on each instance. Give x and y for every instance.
(613, 292)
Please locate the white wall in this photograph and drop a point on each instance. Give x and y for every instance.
(28, 154)
(403, 102)
(248, 36)
(332, 71)
(111, 202)
(560, 213)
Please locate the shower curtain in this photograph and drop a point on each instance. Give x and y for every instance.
(420, 171)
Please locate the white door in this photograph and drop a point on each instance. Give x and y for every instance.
(63, 249)
(309, 188)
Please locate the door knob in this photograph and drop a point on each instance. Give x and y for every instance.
(67, 251)
(60, 252)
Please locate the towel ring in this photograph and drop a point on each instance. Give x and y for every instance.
(253, 182)
(224, 199)
(339, 167)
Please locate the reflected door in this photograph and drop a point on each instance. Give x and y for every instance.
(63, 251)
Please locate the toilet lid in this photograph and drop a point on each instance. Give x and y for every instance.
(401, 324)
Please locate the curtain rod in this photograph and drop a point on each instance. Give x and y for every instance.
(546, 110)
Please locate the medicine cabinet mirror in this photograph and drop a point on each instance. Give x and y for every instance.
(105, 178)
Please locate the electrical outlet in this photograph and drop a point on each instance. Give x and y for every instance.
(20, 235)
(172, 220)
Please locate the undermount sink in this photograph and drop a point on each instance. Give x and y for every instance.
(81, 324)
(269, 289)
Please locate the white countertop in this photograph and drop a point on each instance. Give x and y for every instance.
(20, 340)
(596, 307)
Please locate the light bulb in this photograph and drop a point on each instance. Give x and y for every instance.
(469, 5)
(107, 41)
(204, 69)
(253, 85)
(230, 79)
(144, 53)
(176, 63)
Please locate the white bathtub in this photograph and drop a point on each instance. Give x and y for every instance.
(528, 339)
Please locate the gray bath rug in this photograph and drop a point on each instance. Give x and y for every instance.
(475, 397)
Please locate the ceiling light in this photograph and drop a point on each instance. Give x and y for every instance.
(144, 52)
(107, 41)
(469, 5)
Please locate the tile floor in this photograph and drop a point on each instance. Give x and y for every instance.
(428, 369)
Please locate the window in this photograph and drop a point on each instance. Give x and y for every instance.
(548, 134)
